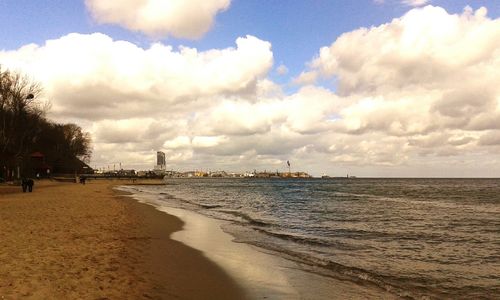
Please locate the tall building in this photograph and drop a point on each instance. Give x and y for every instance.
(160, 161)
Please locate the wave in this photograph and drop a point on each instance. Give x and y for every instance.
(309, 240)
(247, 218)
(406, 288)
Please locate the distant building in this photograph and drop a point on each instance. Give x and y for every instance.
(160, 158)
(200, 174)
(173, 174)
(218, 174)
(160, 161)
(126, 172)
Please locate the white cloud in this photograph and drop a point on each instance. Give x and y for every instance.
(93, 77)
(306, 78)
(490, 138)
(415, 2)
(426, 74)
(418, 94)
(207, 141)
(282, 70)
(158, 18)
(426, 47)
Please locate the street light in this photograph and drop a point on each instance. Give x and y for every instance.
(30, 96)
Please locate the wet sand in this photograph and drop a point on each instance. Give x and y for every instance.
(261, 273)
(264, 274)
(72, 241)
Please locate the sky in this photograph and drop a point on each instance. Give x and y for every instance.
(374, 88)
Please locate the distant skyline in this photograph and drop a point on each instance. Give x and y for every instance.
(370, 88)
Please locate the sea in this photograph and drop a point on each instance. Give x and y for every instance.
(416, 238)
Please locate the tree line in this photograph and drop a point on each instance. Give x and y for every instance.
(25, 129)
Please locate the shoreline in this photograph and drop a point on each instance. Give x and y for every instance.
(261, 273)
(73, 241)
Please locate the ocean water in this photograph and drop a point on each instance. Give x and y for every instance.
(417, 238)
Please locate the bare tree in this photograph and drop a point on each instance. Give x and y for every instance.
(78, 141)
(20, 116)
(24, 128)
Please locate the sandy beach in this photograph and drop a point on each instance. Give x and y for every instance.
(72, 241)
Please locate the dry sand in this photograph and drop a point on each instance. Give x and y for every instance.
(72, 241)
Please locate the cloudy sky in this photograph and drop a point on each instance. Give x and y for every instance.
(365, 87)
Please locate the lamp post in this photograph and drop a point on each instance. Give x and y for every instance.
(20, 163)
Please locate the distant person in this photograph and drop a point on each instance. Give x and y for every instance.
(82, 179)
(31, 183)
(24, 184)
(27, 184)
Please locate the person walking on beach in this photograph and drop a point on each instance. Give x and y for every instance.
(27, 184)
(24, 184)
(31, 183)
